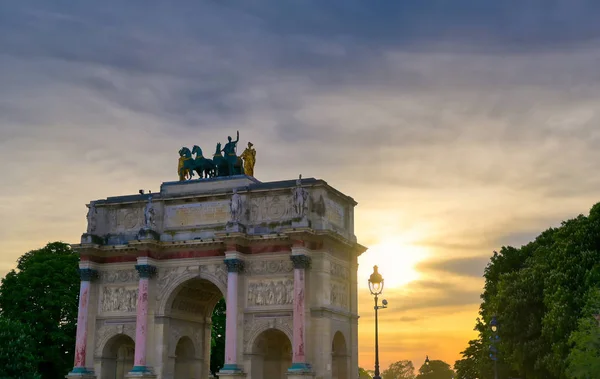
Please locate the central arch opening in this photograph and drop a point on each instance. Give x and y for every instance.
(196, 331)
(271, 355)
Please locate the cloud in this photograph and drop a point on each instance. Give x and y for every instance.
(468, 266)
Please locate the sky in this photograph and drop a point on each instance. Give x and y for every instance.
(458, 126)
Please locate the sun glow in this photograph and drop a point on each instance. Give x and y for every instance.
(396, 259)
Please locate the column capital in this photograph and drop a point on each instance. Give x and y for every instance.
(234, 265)
(301, 261)
(146, 271)
(87, 274)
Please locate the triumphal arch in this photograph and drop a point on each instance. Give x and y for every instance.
(282, 254)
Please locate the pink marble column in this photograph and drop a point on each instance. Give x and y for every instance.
(301, 263)
(141, 322)
(234, 267)
(86, 275)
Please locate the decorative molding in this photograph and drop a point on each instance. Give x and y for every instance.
(301, 261)
(123, 276)
(234, 265)
(145, 271)
(271, 292)
(87, 274)
(263, 267)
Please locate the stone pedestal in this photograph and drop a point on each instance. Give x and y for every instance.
(227, 374)
(80, 375)
(140, 375)
(235, 227)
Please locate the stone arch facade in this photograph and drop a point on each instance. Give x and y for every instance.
(262, 326)
(174, 277)
(107, 332)
(284, 265)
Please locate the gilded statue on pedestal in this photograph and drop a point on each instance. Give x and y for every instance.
(249, 157)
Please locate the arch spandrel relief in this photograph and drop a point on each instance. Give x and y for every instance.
(118, 299)
(105, 332)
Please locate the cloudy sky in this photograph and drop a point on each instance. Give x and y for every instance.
(458, 126)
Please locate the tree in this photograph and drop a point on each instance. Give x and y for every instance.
(584, 358)
(217, 336)
(43, 295)
(436, 369)
(17, 351)
(363, 374)
(400, 370)
(539, 293)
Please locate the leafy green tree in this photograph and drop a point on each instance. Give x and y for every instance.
(539, 293)
(584, 358)
(400, 370)
(43, 295)
(363, 374)
(436, 369)
(217, 335)
(17, 351)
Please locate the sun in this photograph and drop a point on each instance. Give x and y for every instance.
(397, 260)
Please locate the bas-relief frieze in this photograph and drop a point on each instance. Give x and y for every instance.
(263, 267)
(271, 292)
(338, 271)
(334, 212)
(338, 295)
(125, 219)
(119, 299)
(206, 213)
(115, 276)
(270, 208)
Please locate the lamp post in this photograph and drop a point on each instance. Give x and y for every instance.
(493, 348)
(376, 288)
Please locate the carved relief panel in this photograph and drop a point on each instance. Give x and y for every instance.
(270, 292)
(334, 212)
(270, 208)
(118, 276)
(118, 299)
(122, 220)
(206, 213)
(263, 267)
(338, 295)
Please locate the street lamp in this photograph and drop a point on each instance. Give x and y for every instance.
(376, 288)
(427, 360)
(493, 348)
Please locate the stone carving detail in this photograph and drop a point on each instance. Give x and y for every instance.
(269, 267)
(167, 276)
(219, 271)
(123, 276)
(253, 327)
(234, 265)
(106, 332)
(339, 295)
(119, 299)
(270, 208)
(271, 292)
(334, 212)
(339, 271)
(126, 219)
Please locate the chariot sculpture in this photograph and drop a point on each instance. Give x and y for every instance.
(224, 162)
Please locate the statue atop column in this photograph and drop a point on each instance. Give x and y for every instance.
(149, 214)
(235, 206)
(300, 196)
(249, 157)
(91, 218)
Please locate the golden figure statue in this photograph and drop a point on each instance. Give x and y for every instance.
(249, 157)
